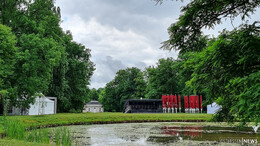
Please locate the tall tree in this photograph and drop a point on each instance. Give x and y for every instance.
(8, 52)
(38, 50)
(163, 79)
(73, 75)
(35, 61)
(48, 61)
(127, 84)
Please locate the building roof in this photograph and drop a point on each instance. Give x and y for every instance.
(94, 102)
(143, 100)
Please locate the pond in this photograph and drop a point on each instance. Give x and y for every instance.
(165, 133)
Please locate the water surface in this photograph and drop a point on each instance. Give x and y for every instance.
(165, 133)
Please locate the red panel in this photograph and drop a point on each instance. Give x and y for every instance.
(179, 101)
(191, 101)
(171, 100)
(197, 101)
(200, 101)
(175, 101)
(168, 101)
(186, 102)
(163, 101)
(194, 100)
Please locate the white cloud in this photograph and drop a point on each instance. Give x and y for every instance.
(131, 48)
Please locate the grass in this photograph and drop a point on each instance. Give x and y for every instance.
(14, 142)
(101, 118)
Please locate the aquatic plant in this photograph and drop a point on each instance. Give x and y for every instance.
(15, 130)
(63, 136)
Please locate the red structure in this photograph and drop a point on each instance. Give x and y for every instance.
(171, 100)
(197, 103)
(179, 103)
(175, 101)
(201, 103)
(192, 103)
(186, 104)
(164, 102)
(168, 101)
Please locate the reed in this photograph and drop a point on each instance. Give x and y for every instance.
(16, 130)
(63, 136)
(38, 135)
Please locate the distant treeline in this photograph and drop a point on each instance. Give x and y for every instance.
(225, 69)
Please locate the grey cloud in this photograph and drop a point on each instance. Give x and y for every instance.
(105, 71)
(141, 65)
(124, 15)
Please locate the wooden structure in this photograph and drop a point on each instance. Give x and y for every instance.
(143, 106)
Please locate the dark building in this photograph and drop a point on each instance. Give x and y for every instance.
(143, 106)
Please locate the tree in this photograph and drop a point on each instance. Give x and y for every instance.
(186, 34)
(47, 59)
(163, 79)
(101, 94)
(127, 84)
(76, 70)
(111, 100)
(8, 52)
(33, 71)
(38, 52)
(225, 72)
(93, 94)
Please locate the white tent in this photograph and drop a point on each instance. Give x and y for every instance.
(213, 108)
(41, 106)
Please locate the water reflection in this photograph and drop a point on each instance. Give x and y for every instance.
(160, 134)
(187, 131)
(176, 134)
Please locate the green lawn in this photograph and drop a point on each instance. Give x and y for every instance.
(101, 118)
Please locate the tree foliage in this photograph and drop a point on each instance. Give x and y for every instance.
(220, 69)
(93, 94)
(8, 53)
(186, 33)
(48, 61)
(163, 79)
(127, 84)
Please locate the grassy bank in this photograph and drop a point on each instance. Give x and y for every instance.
(13, 142)
(101, 118)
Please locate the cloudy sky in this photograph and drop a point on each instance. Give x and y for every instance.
(124, 33)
